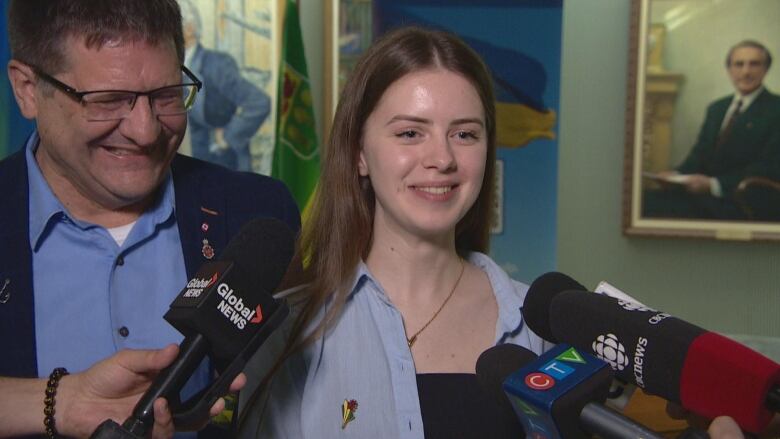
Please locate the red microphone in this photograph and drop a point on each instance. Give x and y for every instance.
(721, 376)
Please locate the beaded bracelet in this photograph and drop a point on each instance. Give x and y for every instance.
(48, 401)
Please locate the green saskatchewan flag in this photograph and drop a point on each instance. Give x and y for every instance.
(296, 154)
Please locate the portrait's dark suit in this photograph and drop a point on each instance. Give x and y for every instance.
(751, 148)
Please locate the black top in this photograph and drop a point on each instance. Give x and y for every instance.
(454, 406)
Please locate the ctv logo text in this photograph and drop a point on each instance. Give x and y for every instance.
(557, 369)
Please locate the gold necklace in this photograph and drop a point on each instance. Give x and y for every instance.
(410, 340)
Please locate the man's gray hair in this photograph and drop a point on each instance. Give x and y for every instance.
(39, 29)
(190, 15)
(754, 44)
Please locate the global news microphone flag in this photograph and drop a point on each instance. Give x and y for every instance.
(296, 159)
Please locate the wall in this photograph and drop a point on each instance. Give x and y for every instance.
(311, 14)
(730, 287)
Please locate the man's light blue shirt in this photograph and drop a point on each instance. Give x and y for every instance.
(365, 357)
(93, 297)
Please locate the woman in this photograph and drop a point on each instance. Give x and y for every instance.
(400, 299)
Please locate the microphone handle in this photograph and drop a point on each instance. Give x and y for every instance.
(693, 433)
(609, 424)
(168, 383)
(773, 399)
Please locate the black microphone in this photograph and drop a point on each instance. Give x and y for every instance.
(704, 372)
(226, 312)
(556, 395)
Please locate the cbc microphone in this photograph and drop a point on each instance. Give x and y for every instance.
(226, 312)
(706, 373)
(557, 395)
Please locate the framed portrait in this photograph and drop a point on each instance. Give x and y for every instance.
(698, 163)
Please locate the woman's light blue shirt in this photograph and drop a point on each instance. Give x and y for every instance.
(364, 357)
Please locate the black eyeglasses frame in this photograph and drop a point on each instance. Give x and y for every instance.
(79, 95)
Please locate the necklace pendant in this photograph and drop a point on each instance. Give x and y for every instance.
(410, 341)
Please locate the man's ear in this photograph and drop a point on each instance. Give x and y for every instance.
(362, 166)
(24, 83)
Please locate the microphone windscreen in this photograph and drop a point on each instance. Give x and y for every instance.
(722, 376)
(536, 306)
(262, 250)
(497, 363)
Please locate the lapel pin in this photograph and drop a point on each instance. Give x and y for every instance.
(204, 227)
(5, 292)
(207, 250)
(348, 409)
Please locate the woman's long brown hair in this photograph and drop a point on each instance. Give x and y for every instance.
(338, 232)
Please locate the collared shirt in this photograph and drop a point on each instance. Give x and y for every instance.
(746, 101)
(92, 296)
(365, 357)
(743, 101)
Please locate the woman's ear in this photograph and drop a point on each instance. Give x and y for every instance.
(24, 82)
(362, 166)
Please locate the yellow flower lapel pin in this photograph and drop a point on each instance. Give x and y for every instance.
(348, 409)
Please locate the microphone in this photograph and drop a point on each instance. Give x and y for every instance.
(557, 395)
(226, 312)
(705, 372)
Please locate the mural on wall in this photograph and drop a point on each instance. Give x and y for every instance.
(521, 43)
(230, 47)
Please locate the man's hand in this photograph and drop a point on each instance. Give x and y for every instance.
(724, 427)
(697, 184)
(111, 388)
(219, 145)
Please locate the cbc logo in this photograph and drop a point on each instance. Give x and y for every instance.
(539, 381)
(633, 306)
(608, 348)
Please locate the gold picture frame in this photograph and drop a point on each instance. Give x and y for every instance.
(657, 91)
(347, 33)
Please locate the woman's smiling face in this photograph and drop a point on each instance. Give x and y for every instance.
(424, 149)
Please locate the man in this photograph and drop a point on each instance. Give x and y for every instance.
(102, 221)
(231, 110)
(740, 137)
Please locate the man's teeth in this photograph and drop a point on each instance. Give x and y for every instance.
(120, 151)
(436, 190)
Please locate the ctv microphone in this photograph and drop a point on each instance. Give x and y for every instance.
(557, 395)
(226, 312)
(706, 373)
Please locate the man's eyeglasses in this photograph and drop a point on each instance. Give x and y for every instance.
(105, 105)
